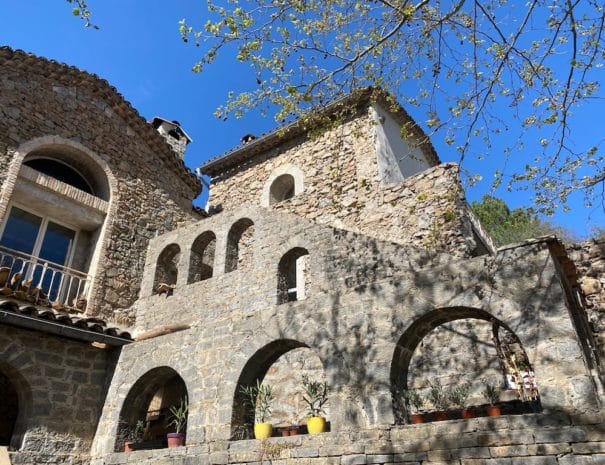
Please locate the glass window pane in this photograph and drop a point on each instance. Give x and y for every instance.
(21, 230)
(56, 243)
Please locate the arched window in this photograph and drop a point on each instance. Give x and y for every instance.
(166, 270)
(291, 277)
(60, 171)
(239, 245)
(283, 188)
(202, 257)
(149, 403)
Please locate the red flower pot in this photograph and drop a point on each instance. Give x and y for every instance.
(175, 439)
(416, 418)
(128, 446)
(492, 411)
(440, 416)
(468, 413)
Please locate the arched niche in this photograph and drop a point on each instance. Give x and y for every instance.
(292, 275)
(286, 182)
(281, 364)
(150, 400)
(201, 263)
(166, 270)
(455, 346)
(239, 253)
(282, 188)
(15, 406)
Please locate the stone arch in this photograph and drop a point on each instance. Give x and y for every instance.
(166, 269)
(201, 263)
(284, 183)
(94, 168)
(15, 408)
(454, 333)
(256, 369)
(239, 253)
(149, 400)
(292, 278)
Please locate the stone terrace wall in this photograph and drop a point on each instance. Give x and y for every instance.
(151, 195)
(62, 387)
(342, 188)
(589, 258)
(371, 304)
(534, 439)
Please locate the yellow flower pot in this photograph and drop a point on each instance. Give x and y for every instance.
(263, 430)
(316, 425)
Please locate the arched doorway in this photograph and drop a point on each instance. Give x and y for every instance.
(9, 409)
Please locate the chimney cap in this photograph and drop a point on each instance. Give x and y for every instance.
(157, 121)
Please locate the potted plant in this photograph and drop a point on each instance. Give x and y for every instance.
(415, 401)
(459, 397)
(179, 421)
(316, 396)
(438, 396)
(133, 435)
(259, 399)
(491, 392)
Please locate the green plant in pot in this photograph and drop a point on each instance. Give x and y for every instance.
(439, 397)
(415, 402)
(258, 399)
(315, 396)
(491, 392)
(133, 434)
(178, 420)
(459, 397)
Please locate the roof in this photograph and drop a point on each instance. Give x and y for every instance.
(50, 321)
(355, 101)
(72, 76)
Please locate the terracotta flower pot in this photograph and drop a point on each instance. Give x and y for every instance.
(440, 416)
(285, 432)
(468, 413)
(175, 439)
(294, 431)
(128, 446)
(416, 418)
(492, 411)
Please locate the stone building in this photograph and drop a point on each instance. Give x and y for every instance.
(348, 256)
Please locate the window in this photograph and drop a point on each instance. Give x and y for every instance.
(282, 189)
(61, 172)
(239, 245)
(291, 276)
(201, 262)
(166, 270)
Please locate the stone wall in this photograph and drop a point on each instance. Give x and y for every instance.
(589, 258)
(342, 188)
(535, 439)
(61, 385)
(369, 306)
(45, 104)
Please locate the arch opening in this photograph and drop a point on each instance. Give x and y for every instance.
(201, 264)
(166, 270)
(15, 407)
(149, 403)
(457, 347)
(282, 188)
(239, 254)
(292, 276)
(280, 364)
(9, 409)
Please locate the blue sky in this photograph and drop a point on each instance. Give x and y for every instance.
(139, 51)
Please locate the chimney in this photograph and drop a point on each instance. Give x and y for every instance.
(173, 133)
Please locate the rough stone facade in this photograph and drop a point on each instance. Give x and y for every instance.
(365, 270)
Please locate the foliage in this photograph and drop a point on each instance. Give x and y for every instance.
(460, 394)
(462, 64)
(491, 391)
(82, 11)
(506, 226)
(438, 396)
(414, 399)
(136, 433)
(179, 415)
(258, 398)
(316, 395)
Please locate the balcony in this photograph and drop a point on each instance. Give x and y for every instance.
(42, 282)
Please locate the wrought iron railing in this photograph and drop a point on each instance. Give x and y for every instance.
(42, 282)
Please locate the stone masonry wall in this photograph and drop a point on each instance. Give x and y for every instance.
(151, 196)
(342, 188)
(369, 305)
(589, 258)
(61, 386)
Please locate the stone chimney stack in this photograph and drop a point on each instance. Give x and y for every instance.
(173, 133)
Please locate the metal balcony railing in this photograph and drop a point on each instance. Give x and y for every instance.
(42, 282)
